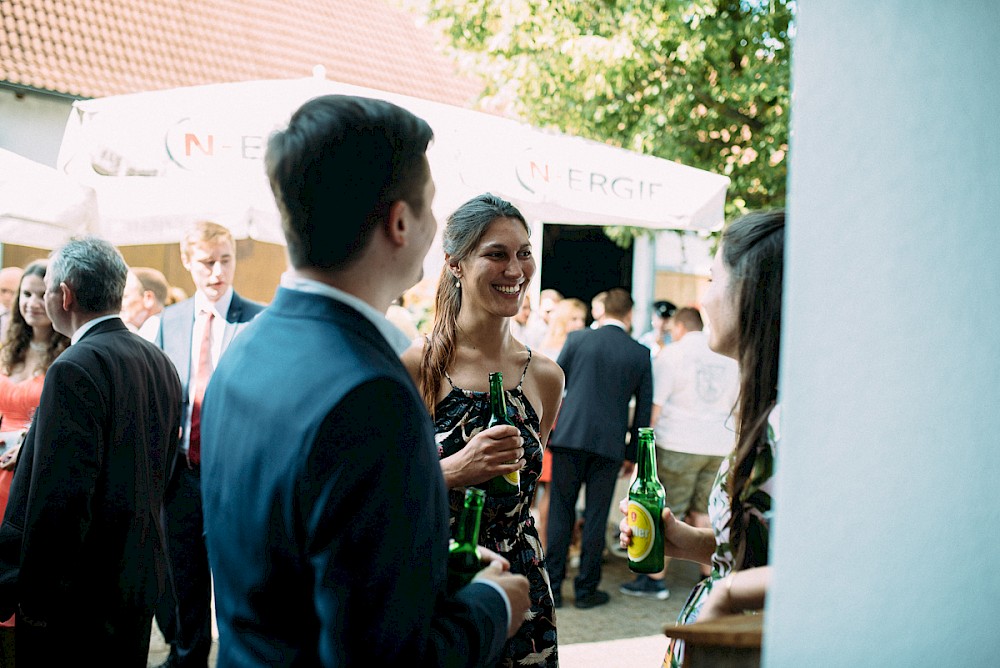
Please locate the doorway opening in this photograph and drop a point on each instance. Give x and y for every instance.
(581, 261)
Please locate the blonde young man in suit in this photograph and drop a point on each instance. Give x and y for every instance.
(195, 333)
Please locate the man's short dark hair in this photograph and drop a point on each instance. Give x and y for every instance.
(618, 303)
(690, 318)
(337, 168)
(154, 281)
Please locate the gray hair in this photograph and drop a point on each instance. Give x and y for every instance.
(94, 269)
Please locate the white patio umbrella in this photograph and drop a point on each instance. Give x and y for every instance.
(40, 206)
(161, 160)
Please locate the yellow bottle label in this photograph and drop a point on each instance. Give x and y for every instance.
(641, 523)
(513, 478)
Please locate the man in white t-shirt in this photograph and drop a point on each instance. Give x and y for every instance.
(694, 392)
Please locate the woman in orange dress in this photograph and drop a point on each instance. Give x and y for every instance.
(28, 349)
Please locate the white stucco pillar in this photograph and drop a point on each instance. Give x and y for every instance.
(886, 542)
(643, 282)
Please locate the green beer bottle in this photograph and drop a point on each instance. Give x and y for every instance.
(463, 550)
(508, 483)
(645, 506)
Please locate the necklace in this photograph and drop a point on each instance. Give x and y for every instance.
(38, 347)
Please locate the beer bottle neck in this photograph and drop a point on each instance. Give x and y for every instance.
(468, 523)
(498, 402)
(646, 456)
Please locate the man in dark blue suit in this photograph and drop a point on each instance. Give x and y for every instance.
(328, 526)
(194, 334)
(605, 369)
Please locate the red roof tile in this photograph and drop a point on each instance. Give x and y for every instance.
(93, 48)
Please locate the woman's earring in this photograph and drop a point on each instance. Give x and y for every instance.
(458, 284)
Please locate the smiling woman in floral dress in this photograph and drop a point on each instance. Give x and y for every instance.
(488, 267)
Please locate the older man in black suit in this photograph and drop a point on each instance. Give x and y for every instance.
(605, 369)
(81, 545)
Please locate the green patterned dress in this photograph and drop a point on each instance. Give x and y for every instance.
(758, 498)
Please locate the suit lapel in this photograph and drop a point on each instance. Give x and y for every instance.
(177, 344)
(234, 321)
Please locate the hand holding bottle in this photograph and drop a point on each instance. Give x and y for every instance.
(488, 557)
(680, 540)
(492, 452)
(507, 482)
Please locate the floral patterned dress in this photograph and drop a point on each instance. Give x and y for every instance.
(507, 526)
(758, 497)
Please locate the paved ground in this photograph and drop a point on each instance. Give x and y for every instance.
(624, 616)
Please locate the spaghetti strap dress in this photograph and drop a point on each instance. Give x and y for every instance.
(507, 526)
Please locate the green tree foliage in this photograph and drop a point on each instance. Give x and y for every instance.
(701, 82)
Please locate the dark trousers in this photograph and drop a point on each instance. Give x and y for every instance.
(187, 624)
(570, 470)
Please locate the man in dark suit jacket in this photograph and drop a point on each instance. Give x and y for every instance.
(206, 323)
(328, 526)
(81, 546)
(605, 369)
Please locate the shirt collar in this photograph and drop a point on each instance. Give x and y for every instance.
(87, 326)
(395, 336)
(221, 307)
(616, 323)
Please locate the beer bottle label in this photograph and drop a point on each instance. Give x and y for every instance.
(641, 522)
(513, 478)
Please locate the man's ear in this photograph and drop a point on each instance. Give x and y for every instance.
(397, 223)
(68, 297)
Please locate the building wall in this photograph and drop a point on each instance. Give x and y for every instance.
(681, 289)
(258, 269)
(885, 547)
(32, 124)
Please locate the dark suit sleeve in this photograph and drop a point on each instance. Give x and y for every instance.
(566, 355)
(66, 461)
(643, 405)
(377, 538)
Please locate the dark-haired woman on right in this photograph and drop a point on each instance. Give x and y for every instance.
(743, 306)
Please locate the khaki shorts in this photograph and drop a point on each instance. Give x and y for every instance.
(687, 480)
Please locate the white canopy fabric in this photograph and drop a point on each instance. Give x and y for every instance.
(164, 159)
(41, 207)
